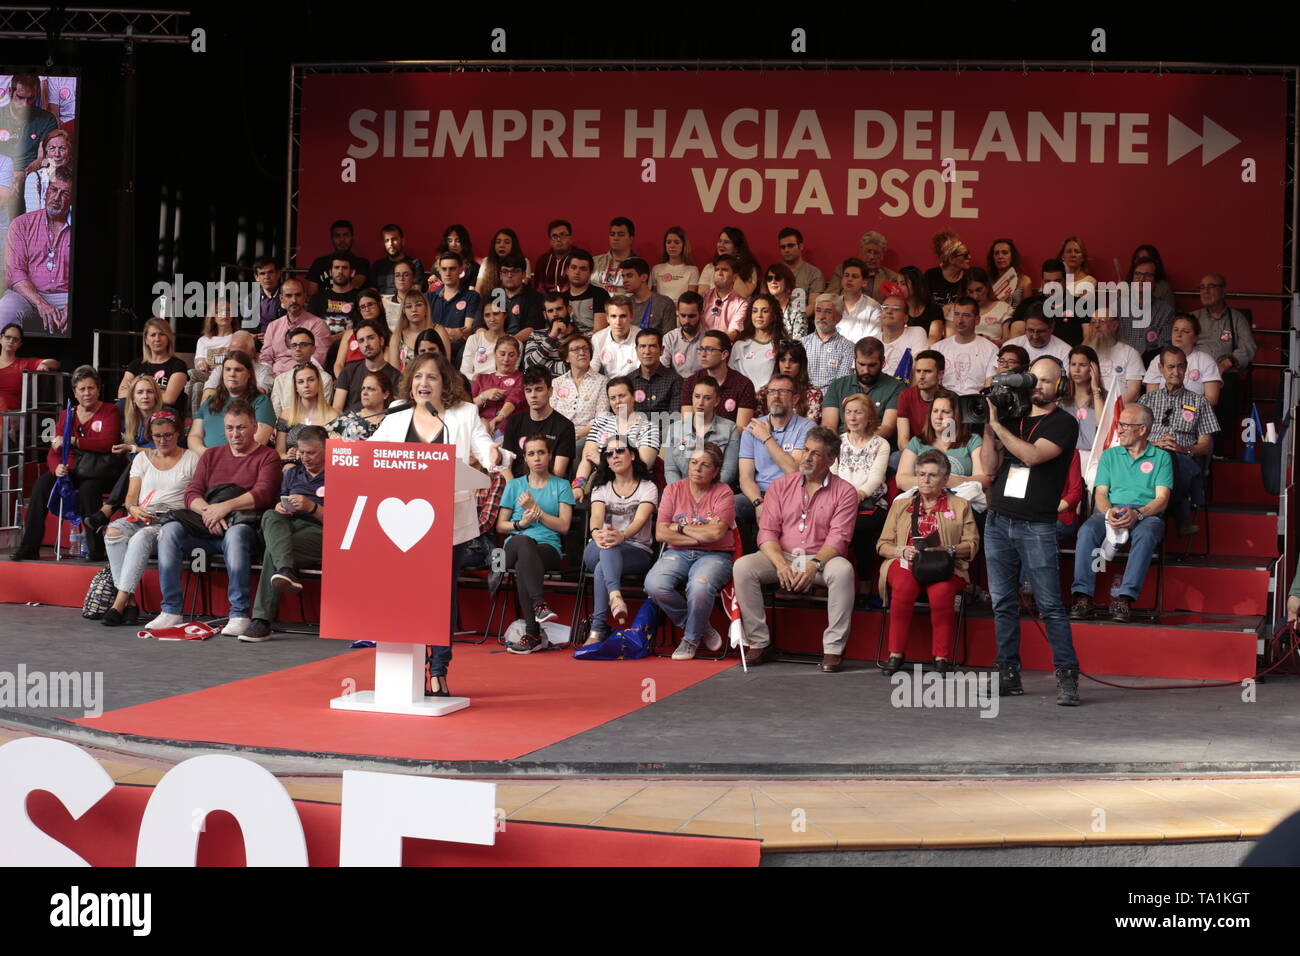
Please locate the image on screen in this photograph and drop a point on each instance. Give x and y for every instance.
(38, 115)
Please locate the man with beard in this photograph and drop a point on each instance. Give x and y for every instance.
(545, 347)
(770, 447)
(1020, 540)
(682, 344)
(736, 398)
(23, 126)
(319, 273)
(1102, 336)
(869, 359)
(37, 260)
(372, 339)
(381, 272)
(336, 303)
(829, 353)
(275, 346)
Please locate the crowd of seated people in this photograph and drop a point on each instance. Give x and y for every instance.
(692, 425)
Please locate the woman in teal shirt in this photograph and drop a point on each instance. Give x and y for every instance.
(238, 380)
(944, 431)
(536, 510)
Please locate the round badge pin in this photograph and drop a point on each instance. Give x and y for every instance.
(1147, 467)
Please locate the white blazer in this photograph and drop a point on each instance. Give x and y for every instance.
(464, 429)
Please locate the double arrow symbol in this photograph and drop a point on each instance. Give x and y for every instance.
(1213, 139)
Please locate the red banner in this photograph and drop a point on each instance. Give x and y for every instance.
(387, 549)
(1193, 163)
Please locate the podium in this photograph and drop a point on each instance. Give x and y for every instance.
(386, 564)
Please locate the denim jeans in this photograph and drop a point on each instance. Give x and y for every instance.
(704, 573)
(1143, 539)
(130, 545)
(1016, 551)
(175, 545)
(609, 566)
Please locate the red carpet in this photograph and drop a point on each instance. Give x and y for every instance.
(520, 704)
(106, 836)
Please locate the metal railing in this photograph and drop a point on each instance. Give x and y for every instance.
(16, 451)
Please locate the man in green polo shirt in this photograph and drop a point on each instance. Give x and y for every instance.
(869, 359)
(1134, 482)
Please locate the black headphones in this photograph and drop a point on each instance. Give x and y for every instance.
(1062, 383)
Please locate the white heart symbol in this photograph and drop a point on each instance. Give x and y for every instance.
(405, 523)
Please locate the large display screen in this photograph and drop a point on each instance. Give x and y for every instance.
(38, 116)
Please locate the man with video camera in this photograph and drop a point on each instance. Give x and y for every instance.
(1020, 533)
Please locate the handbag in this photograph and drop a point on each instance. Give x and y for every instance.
(192, 521)
(97, 466)
(99, 596)
(930, 566)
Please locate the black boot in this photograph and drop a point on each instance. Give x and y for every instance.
(1009, 680)
(1067, 686)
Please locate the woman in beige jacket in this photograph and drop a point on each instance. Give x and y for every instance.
(952, 521)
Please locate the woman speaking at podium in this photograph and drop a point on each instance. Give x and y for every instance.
(434, 409)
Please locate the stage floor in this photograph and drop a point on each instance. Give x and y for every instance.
(778, 720)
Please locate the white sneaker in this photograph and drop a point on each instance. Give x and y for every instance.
(164, 620)
(713, 640)
(685, 651)
(236, 626)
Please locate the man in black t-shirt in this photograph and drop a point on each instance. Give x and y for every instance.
(336, 303)
(1020, 532)
(319, 274)
(540, 419)
(586, 300)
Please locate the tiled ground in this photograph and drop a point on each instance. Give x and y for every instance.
(875, 814)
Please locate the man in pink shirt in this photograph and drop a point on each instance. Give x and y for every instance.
(275, 347)
(38, 262)
(724, 308)
(803, 539)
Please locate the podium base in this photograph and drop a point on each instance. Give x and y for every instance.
(364, 700)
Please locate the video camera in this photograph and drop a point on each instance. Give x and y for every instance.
(1011, 392)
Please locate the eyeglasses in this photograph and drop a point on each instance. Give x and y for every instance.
(1131, 424)
(780, 391)
(511, 271)
(11, 338)
(709, 348)
(1205, 287)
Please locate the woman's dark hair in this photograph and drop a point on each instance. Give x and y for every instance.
(492, 262)
(937, 458)
(428, 335)
(623, 380)
(367, 294)
(605, 474)
(976, 274)
(538, 437)
(217, 403)
(1088, 353)
(15, 325)
(466, 246)
(1147, 251)
(385, 386)
(1021, 354)
(794, 350)
(782, 272)
(962, 436)
(1015, 257)
(746, 264)
(917, 281)
(776, 325)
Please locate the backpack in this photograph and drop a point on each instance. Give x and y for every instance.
(99, 596)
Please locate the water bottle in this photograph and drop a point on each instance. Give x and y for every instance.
(77, 540)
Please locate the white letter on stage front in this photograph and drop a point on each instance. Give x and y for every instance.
(379, 809)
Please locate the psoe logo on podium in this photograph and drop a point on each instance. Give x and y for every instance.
(388, 535)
